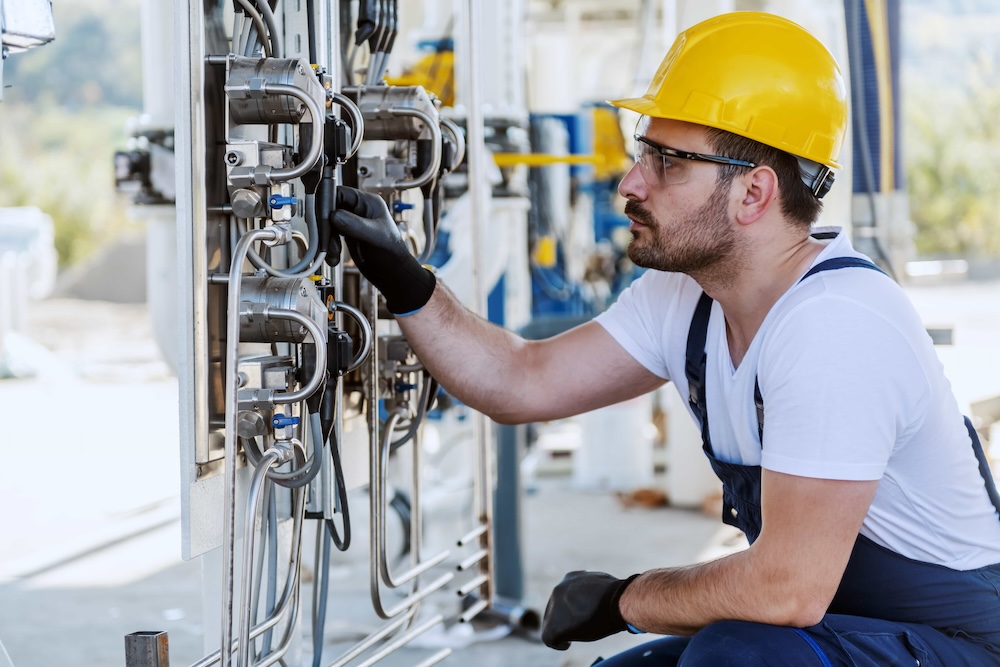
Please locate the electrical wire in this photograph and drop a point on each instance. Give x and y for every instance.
(272, 28)
(340, 540)
(258, 23)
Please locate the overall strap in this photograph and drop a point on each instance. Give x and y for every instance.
(695, 356)
(984, 465)
(842, 263)
(695, 364)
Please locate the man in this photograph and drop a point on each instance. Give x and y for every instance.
(844, 457)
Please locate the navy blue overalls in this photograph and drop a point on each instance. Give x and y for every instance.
(889, 609)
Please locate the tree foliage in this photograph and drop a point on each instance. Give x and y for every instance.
(61, 162)
(63, 116)
(952, 142)
(93, 61)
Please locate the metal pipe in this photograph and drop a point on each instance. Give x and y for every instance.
(479, 197)
(473, 611)
(290, 593)
(357, 120)
(473, 534)
(276, 234)
(436, 658)
(377, 507)
(315, 145)
(472, 560)
(319, 374)
(370, 641)
(472, 584)
(402, 640)
(418, 568)
(456, 131)
(435, 163)
(271, 457)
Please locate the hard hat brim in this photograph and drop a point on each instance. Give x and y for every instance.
(640, 105)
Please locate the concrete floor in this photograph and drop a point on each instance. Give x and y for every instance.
(91, 516)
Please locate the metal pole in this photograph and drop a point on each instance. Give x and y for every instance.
(148, 648)
(479, 197)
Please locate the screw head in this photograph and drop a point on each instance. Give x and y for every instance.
(234, 158)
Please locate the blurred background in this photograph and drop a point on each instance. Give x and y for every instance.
(88, 397)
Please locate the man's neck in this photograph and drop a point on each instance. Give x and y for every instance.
(748, 292)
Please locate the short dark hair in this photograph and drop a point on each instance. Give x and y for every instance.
(797, 202)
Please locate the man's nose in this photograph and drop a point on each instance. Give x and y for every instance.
(633, 185)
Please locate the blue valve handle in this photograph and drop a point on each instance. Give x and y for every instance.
(281, 421)
(399, 206)
(277, 201)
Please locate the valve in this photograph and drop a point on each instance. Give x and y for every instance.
(399, 206)
(281, 421)
(277, 201)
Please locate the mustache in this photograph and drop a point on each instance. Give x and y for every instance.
(634, 209)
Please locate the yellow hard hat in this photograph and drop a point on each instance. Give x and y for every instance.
(757, 75)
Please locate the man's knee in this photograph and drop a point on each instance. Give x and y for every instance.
(742, 644)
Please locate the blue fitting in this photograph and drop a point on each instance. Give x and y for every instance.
(399, 206)
(404, 386)
(277, 201)
(281, 421)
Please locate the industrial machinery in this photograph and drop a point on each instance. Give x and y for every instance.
(297, 388)
(296, 384)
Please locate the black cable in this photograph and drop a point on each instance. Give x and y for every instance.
(341, 542)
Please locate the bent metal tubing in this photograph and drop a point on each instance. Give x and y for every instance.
(272, 234)
(418, 568)
(378, 505)
(274, 456)
(289, 596)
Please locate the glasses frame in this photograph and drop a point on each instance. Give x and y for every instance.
(666, 151)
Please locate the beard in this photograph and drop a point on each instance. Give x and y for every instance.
(694, 244)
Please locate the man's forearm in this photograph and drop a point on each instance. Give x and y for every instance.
(472, 358)
(681, 601)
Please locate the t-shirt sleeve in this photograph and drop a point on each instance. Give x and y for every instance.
(637, 319)
(839, 383)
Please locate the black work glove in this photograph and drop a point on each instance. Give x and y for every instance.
(584, 608)
(379, 251)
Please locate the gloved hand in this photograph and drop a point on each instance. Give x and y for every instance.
(379, 251)
(584, 608)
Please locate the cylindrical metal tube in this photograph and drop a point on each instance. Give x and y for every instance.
(231, 400)
(258, 324)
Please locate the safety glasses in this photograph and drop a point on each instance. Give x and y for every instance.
(662, 165)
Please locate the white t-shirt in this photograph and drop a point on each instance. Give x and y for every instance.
(852, 390)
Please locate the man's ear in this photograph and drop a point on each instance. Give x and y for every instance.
(758, 194)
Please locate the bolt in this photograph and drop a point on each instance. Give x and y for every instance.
(303, 291)
(363, 171)
(234, 158)
(198, 472)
